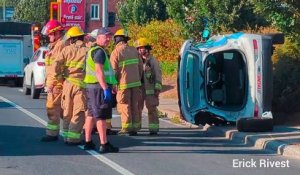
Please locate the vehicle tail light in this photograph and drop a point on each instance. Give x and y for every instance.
(256, 110)
(40, 63)
(255, 47)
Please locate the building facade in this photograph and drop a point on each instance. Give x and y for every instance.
(93, 16)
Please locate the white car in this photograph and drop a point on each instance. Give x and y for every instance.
(228, 79)
(34, 78)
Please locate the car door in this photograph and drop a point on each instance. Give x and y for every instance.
(29, 68)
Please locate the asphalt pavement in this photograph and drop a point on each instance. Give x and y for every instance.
(178, 149)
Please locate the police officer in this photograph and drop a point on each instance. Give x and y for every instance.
(99, 78)
(54, 30)
(128, 70)
(151, 84)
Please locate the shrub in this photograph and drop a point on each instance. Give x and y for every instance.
(166, 39)
(287, 78)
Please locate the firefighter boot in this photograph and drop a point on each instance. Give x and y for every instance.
(108, 148)
(48, 138)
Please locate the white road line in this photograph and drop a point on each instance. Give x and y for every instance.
(98, 156)
(20, 90)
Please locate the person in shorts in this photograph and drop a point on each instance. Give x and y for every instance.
(99, 79)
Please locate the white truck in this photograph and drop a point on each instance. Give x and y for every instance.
(16, 47)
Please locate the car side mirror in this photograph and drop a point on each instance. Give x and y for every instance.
(26, 61)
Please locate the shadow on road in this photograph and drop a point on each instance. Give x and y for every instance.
(25, 141)
(183, 140)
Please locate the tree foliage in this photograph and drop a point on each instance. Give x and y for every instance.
(9, 3)
(165, 38)
(226, 15)
(32, 11)
(141, 12)
(284, 14)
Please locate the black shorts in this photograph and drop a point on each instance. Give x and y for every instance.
(95, 101)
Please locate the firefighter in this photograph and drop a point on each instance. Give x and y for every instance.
(128, 70)
(151, 84)
(70, 67)
(99, 79)
(55, 31)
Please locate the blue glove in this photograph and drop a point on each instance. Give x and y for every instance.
(107, 95)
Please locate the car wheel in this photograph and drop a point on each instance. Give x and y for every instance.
(254, 124)
(26, 90)
(35, 93)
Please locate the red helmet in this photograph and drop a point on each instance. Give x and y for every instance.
(52, 26)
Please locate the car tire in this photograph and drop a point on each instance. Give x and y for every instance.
(254, 124)
(26, 90)
(35, 93)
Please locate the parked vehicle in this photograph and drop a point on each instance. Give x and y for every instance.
(228, 79)
(16, 48)
(34, 79)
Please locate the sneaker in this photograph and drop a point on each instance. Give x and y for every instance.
(48, 138)
(153, 133)
(108, 148)
(89, 145)
(111, 132)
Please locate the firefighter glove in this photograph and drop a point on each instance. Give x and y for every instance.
(107, 95)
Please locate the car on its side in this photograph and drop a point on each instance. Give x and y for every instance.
(34, 78)
(228, 79)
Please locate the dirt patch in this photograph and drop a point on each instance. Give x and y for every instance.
(169, 89)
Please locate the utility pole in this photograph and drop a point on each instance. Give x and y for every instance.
(104, 14)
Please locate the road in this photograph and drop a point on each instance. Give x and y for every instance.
(177, 150)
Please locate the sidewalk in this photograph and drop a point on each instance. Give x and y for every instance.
(283, 140)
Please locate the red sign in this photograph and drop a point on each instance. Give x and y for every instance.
(73, 11)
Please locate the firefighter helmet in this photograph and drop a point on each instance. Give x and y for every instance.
(52, 26)
(142, 42)
(121, 32)
(73, 32)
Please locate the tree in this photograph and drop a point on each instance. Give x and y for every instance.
(9, 3)
(32, 11)
(223, 16)
(284, 14)
(141, 12)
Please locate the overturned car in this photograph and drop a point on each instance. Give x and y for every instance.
(228, 79)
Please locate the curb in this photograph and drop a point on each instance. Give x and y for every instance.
(281, 143)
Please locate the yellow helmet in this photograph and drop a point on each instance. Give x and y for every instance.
(141, 42)
(121, 32)
(73, 32)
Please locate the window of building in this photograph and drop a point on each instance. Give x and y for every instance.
(94, 12)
